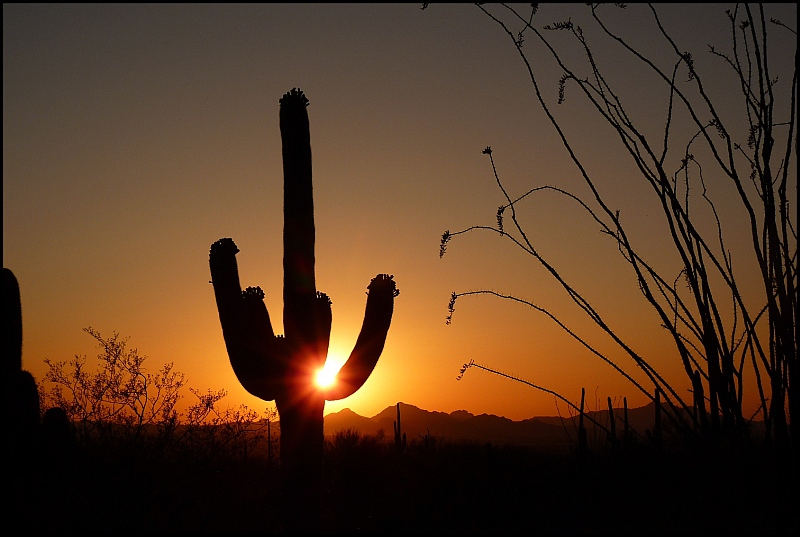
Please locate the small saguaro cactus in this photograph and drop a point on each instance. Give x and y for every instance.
(282, 368)
(399, 435)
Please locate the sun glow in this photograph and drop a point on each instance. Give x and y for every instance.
(326, 376)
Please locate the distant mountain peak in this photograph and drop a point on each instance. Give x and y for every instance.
(461, 415)
(344, 412)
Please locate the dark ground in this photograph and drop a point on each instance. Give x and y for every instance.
(445, 488)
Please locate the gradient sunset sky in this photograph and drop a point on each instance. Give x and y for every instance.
(134, 136)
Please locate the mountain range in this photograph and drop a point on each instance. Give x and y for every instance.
(546, 432)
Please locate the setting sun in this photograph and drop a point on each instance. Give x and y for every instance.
(326, 376)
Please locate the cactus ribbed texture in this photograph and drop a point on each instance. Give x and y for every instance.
(283, 368)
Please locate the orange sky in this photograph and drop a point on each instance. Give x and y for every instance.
(135, 136)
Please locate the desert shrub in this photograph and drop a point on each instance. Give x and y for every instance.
(120, 405)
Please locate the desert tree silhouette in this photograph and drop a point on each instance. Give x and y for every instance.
(282, 368)
(120, 404)
(722, 337)
(121, 399)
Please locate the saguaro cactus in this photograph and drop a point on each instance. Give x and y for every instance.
(282, 368)
(20, 394)
(399, 435)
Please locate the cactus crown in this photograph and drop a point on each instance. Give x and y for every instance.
(295, 97)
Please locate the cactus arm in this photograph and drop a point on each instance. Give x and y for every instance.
(258, 357)
(371, 339)
(225, 279)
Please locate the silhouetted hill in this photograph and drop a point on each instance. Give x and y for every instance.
(544, 431)
(550, 432)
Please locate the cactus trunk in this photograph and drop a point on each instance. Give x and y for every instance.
(299, 285)
(283, 368)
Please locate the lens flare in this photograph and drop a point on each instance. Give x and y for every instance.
(326, 376)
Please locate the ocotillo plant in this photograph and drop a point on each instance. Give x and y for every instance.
(283, 368)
